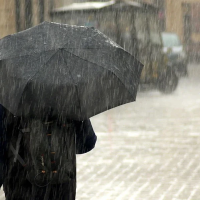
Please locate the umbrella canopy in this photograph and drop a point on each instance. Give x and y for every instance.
(78, 71)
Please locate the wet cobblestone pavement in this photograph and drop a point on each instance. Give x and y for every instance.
(146, 150)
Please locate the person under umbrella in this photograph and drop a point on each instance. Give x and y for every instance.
(54, 77)
(15, 189)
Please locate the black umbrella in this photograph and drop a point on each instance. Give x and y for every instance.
(76, 70)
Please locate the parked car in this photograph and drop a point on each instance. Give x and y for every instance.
(177, 56)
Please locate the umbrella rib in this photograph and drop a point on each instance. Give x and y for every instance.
(74, 84)
(42, 67)
(29, 54)
(15, 36)
(38, 72)
(102, 67)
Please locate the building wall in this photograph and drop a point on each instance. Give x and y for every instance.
(8, 14)
(7, 18)
(174, 17)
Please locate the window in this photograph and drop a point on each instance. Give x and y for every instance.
(170, 40)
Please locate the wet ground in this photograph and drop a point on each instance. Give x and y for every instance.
(146, 150)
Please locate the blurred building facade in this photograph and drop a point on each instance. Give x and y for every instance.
(179, 16)
(7, 13)
(183, 18)
(17, 15)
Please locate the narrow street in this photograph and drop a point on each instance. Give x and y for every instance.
(146, 150)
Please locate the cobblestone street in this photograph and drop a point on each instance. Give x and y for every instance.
(146, 150)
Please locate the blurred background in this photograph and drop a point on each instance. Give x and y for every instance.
(148, 149)
(180, 16)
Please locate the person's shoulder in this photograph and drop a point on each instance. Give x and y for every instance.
(1, 111)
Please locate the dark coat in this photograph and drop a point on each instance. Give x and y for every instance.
(3, 143)
(85, 138)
